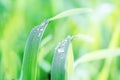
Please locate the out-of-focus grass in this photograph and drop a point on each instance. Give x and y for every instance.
(19, 16)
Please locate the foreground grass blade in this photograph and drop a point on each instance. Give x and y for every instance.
(62, 61)
(71, 12)
(97, 55)
(28, 71)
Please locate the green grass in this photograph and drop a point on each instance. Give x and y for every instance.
(91, 54)
(62, 61)
(29, 65)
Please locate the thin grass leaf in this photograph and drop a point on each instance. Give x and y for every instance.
(29, 65)
(97, 55)
(46, 40)
(104, 74)
(71, 12)
(83, 37)
(61, 68)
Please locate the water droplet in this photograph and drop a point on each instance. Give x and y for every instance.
(42, 24)
(65, 40)
(60, 50)
(41, 29)
(63, 43)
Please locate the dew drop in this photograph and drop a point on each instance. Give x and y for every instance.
(42, 24)
(63, 44)
(60, 50)
(41, 29)
(65, 40)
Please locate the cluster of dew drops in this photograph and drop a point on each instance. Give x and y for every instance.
(61, 47)
(41, 29)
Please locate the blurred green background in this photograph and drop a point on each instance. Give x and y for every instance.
(18, 17)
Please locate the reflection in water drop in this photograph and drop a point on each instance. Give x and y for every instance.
(42, 24)
(60, 50)
(65, 40)
(41, 29)
(63, 43)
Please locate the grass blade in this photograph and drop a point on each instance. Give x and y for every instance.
(28, 71)
(97, 55)
(83, 37)
(61, 68)
(71, 12)
(104, 74)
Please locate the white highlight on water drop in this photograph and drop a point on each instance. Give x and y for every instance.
(60, 50)
(65, 40)
(41, 29)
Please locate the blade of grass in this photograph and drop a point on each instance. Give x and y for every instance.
(28, 71)
(97, 55)
(63, 58)
(61, 69)
(71, 12)
(83, 37)
(104, 74)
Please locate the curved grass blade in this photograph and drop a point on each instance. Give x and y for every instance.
(97, 55)
(62, 61)
(28, 71)
(104, 74)
(83, 37)
(71, 12)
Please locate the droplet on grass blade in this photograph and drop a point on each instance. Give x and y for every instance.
(60, 50)
(41, 29)
(28, 71)
(62, 64)
(61, 59)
